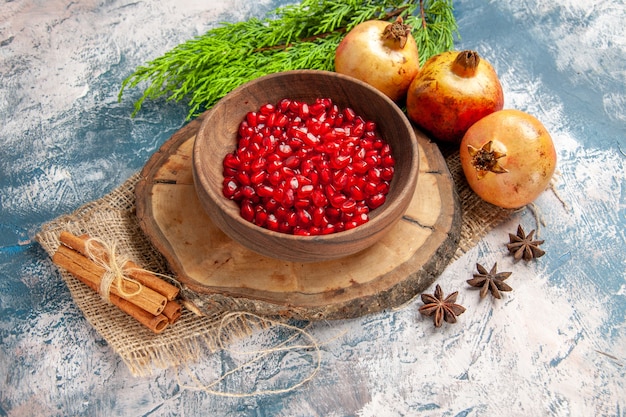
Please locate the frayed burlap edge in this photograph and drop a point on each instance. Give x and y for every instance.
(112, 218)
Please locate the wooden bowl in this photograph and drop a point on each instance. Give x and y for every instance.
(217, 137)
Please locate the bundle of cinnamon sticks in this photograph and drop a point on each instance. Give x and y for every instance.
(144, 296)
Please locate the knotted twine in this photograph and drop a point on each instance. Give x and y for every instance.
(106, 256)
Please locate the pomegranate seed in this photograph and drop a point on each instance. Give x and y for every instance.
(315, 231)
(349, 114)
(282, 213)
(292, 162)
(271, 120)
(305, 191)
(349, 206)
(247, 210)
(231, 161)
(318, 198)
(285, 228)
(303, 111)
(260, 218)
(301, 232)
(264, 191)
(351, 224)
(387, 161)
(311, 139)
(372, 159)
(287, 172)
(281, 120)
(358, 129)
(284, 150)
(360, 167)
(333, 214)
(307, 166)
(261, 119)
(302, 203)
(271, 205)
(289, 198)
(304, 218)
(326, 176)
(229, 172)
(340, 180)
(337, 200)
(355, 193)
(314, 177)
(267, 109)
(258, 177)
(328, 229)
(319, 217)
(376, 200)
(383, 187)
(243, 178)
(374, 174)
(284, 105)
(248, 192)
(317, 109)
(245, 130)
(386, 173)
(371, 187)
(340, 161)
(370, 126)
(251, 119)
(291, 219)
(275, 177)
(230, 187)
(271, 222)
(258, 164)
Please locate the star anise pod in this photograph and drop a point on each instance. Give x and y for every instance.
(442, 309)
(490, 281)
(522, 246)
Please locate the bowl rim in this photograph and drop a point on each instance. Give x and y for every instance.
(377, 222)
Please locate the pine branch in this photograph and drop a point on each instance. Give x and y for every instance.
(301, 36)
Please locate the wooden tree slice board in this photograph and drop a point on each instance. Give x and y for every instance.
(219, 270)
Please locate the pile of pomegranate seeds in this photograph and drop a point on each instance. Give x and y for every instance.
(307, 169)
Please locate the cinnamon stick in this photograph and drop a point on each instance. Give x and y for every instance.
(90, 273)
(155, 323)
(78, 243)
(172, 311)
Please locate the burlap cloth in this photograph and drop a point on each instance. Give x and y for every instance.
(112, 218)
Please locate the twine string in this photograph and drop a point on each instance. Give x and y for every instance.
(105, 256)
(313, 348)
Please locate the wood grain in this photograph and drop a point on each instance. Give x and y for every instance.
(388, 274)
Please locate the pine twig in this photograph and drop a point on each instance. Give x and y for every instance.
(302, 36)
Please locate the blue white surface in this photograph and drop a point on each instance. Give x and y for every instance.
(554, 346)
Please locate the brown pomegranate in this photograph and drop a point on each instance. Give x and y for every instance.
(380, 53)
(508, 158)
(453, 91)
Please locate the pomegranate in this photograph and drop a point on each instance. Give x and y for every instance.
(307, 169)
(380, 53)
(452, 92)
(508, 158)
